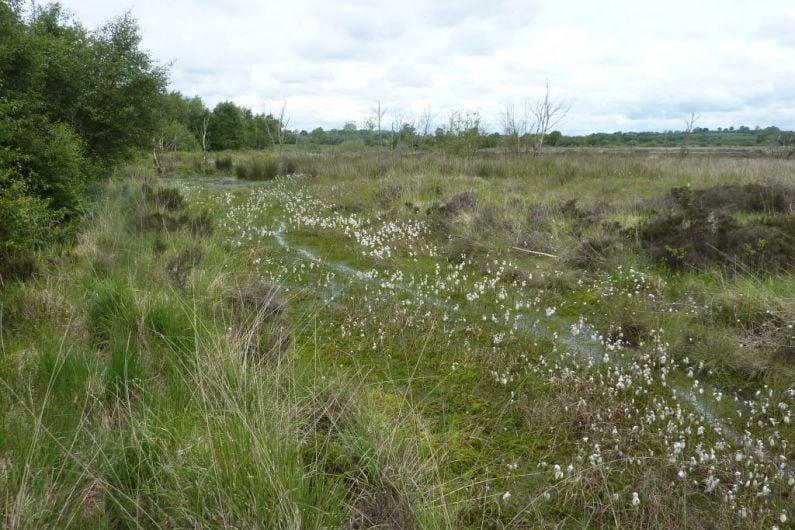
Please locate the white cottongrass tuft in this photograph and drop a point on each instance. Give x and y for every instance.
(635, 499)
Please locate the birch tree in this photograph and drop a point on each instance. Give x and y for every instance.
(546, 115)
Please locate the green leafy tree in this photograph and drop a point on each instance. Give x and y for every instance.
(196, 115)
(119, 107)
(174, 130)
(317, 136)
(71, 103)
(175, 136)
(225, 130)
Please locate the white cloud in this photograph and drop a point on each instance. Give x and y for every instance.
(623, 65)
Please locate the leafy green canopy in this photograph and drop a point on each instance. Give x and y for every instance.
(72, 103)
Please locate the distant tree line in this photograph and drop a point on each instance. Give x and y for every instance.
(462, 134)
(742, 136)
(461, 139)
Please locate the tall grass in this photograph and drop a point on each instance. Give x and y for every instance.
(154, 414)
(257, 168)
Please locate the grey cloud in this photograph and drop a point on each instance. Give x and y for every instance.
(478, 38)
(297, 73)
(779, 29)
(334, 45)
(451, 13)
(625, 64)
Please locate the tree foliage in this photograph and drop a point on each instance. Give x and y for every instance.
(234, 127)
(72, 103)
(119, 105)
(226, 127)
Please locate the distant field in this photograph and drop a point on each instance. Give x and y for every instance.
(368, 339)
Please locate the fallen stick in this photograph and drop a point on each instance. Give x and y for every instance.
(537, 253)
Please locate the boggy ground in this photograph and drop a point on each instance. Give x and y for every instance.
(412, 342)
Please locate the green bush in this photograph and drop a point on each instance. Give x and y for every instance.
(25, 220)
(47, 157)
(26, 224)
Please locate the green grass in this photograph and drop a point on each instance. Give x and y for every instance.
(371, 373)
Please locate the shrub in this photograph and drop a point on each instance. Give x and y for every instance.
(26, 223)
(693, 234)
(197, 164)
(25, 220)
(42, 180)
(389, 193)
(169, 198)
(594, 250)
(461, 202)
(757, 198)
(260, 326)
(489, 168)
(47, 157)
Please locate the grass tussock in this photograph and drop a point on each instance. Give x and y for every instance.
(257, 168)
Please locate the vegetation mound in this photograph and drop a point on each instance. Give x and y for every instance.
(717, 227)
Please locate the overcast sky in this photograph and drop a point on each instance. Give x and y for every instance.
(622, 65)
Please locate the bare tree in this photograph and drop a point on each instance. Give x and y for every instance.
(515, 128)
(162, 144)
(690, 124)
(281, 125)
(379, 112)
(425, 120)
(203, 135)
(157, 148)
(393, 128)
(546, 115)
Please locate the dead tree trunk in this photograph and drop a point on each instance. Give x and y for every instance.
(203, 132)
(690, 123)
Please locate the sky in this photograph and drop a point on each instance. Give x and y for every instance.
(639, 65)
